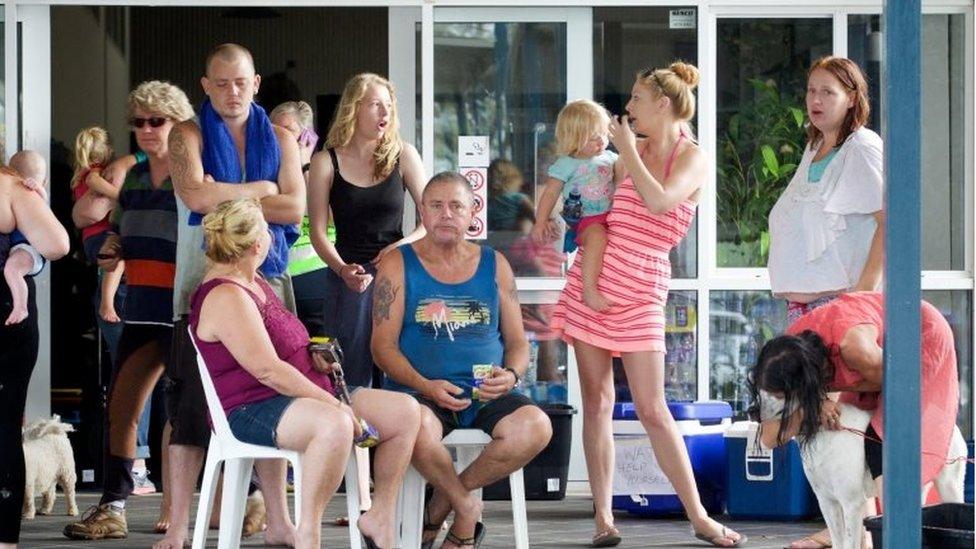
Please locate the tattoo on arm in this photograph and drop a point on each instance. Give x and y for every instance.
(178, 162)
(383, 296)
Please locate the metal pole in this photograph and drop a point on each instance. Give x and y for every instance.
(902, 387)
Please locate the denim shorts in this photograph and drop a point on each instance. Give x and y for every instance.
(257, 422)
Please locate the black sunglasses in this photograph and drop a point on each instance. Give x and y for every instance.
(154, 122)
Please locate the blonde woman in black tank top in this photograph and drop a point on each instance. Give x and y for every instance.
(362, 177)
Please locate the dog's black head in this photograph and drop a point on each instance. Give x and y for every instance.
(796, 369)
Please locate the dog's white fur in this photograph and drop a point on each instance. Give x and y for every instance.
(835, 465)
(49, 463)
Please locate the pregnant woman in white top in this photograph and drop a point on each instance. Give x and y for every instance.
(826, 229)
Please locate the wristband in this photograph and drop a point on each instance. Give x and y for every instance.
(141, 156)
(518, 379)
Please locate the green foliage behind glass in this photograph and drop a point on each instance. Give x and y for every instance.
(757, 156)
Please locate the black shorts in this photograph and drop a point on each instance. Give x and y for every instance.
(485, 419)
(872, 451)
(137, 336)
(185, 401)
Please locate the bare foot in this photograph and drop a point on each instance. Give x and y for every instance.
(17, 315)
(286, 536)
(595, 300)
(173, 540)
(814, 541)
(162, 523)
(308, 537)
(108, 314)
(378, 527)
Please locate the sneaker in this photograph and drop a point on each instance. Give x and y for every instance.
(141, 483)
(99, 522)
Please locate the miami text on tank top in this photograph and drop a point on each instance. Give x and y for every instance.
(367, 219)
(448, 328)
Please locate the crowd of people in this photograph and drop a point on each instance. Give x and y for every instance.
(217, 234)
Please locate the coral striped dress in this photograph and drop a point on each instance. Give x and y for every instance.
(636, 274)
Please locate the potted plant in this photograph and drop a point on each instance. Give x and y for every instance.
(757, 155)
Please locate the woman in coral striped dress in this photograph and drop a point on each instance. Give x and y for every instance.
(652, 209)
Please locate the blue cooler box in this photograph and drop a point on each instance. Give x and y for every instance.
(639, 485)
(765, 487)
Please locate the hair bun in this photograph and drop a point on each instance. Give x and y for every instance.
(687, 72)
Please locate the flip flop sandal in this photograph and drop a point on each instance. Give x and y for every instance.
(430, 527)
(473, 541)
(714, 541)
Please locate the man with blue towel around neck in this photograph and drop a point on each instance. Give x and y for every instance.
(234, 152)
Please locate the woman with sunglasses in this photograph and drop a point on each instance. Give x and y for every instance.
(144, 225)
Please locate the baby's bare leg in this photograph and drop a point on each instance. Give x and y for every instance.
(19, 263)
(593, 240)
(110, 285)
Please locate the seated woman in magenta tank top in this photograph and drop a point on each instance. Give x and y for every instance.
(273, 390)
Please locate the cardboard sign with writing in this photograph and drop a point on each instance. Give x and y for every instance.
(636, 470)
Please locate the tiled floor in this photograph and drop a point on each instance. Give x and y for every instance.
(552, 524)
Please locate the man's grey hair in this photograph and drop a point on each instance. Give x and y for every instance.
(450, 178)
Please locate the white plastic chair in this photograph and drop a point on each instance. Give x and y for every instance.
(238, 459)
(468, 445)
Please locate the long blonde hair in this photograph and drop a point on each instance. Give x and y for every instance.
(344, 124)
(92, 146)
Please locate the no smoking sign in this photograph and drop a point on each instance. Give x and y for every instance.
(478, 179)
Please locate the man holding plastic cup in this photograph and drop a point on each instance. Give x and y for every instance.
(447, 328)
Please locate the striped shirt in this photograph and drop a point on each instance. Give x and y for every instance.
(146, 220)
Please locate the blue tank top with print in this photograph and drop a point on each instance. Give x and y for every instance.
(448, 328)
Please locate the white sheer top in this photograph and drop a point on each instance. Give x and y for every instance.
(820, 233)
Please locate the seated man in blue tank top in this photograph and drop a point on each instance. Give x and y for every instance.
(441, 307)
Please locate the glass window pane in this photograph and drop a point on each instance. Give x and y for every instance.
(681, 340)
(506, 81)
(943, 126)
(762, 65)
(545, 379)
(741, 322)
(957, 307)
(626, 40)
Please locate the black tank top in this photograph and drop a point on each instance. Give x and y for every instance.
(367, 219)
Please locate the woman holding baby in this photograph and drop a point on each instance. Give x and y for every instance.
(24, 210)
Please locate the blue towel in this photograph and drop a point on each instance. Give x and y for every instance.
(262, 156)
